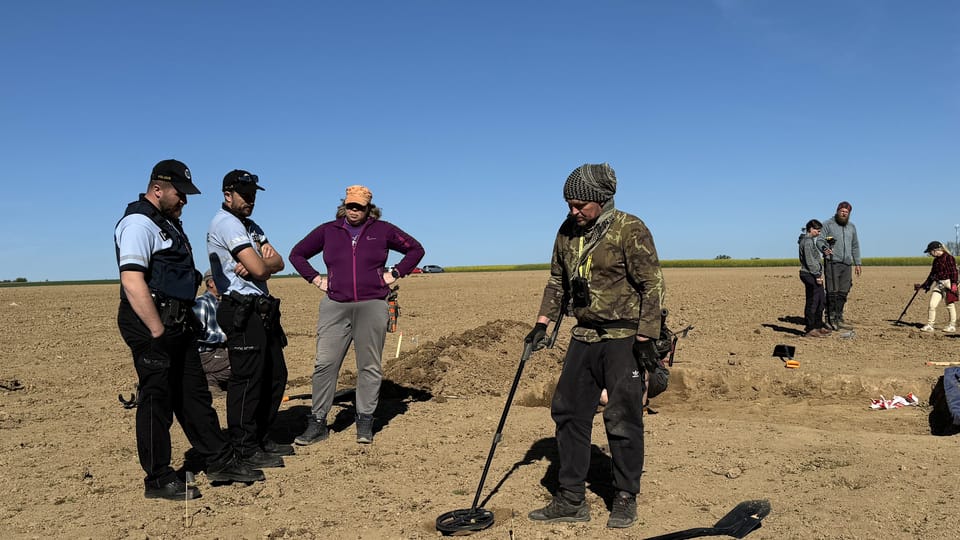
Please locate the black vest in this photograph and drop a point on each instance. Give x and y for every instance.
(171, 271)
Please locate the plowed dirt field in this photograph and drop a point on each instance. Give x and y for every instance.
(734, 424)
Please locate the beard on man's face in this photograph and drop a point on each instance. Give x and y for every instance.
(841, 220)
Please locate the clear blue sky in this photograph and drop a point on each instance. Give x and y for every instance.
(730, 123)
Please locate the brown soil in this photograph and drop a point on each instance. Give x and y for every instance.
(734, 424)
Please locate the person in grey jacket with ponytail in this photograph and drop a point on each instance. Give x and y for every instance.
(811, 274)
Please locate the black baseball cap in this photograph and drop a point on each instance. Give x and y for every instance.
(241, 181)
(932, 246)
(177, 173)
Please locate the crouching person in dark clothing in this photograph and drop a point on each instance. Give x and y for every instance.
(158, 281)
(605, 261)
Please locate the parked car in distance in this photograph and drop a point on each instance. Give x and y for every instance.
(416, 270)
(432, 269)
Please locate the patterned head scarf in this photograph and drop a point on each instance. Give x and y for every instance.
(359, 195)
(591, 182)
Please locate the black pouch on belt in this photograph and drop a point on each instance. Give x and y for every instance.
(172, 312)
(245, 305)
(268, 308)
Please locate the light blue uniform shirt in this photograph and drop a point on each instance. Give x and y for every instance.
(226, 237)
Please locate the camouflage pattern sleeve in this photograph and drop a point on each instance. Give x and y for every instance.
(553, 293)
(643, 269)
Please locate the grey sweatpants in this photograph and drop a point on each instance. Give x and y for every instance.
(340, 323)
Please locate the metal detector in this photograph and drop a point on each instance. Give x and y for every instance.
(898, 322)
(476, 518)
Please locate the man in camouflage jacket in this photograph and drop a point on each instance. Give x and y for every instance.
(605, 263)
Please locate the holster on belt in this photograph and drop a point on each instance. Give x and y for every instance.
(268, 308)
(245, 305)
(173, 312)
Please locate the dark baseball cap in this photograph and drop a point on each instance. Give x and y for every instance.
(932, 246)
(177, 173)
(241, 181)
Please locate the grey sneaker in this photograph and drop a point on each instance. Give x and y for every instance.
(316, 431)
(365, 428)
(561, 510)
(624, 511)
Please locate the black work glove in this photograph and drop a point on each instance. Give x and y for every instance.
(646, 354)
(536, 335)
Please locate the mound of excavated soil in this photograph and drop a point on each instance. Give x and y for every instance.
(480, 361)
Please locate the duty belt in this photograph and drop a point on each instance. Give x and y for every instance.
(172, 311)
(207, 347)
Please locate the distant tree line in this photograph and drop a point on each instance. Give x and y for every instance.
(17, 280)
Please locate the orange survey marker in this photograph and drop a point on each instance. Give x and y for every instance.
(785, 354)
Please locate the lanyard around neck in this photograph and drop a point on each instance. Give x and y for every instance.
(583, 269)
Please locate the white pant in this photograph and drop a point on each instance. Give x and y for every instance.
(939, 291)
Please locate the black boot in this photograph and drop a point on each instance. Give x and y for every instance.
(841, 302)
(365, 428)
(830, 311)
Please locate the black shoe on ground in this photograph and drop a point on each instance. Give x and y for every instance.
(194, 461)
(624, 511)
(316, 431)
(561, 510)
(277, 449)
(262, 460)
(175, 490)
(234, 471)
(365, 428)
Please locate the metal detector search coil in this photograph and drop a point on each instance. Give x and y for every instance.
(477, 518)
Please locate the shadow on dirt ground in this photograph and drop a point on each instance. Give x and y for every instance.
(394, 401)
(599, 475)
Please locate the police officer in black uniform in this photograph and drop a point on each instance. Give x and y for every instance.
(242, 259)
(158, 281)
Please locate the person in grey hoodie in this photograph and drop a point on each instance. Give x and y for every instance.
(811, 274)
(842, 259)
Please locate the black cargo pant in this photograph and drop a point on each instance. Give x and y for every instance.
(171, 383)
(587, 369)
(814, 304)
(258, 375)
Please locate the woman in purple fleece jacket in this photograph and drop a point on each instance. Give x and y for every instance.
(355, 246)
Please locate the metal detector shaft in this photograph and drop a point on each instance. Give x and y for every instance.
(915, 292)
(528, 348)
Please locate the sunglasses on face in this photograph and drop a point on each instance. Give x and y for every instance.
(355, 207)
